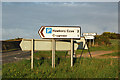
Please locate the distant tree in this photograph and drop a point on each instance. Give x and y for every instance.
(102, 39)
(111, 35)
(107, 34)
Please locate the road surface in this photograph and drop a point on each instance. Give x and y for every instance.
(13, 56)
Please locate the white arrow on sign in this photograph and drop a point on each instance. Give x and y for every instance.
(60, 32)
(45, 45)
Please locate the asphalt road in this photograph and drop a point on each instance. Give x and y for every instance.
(14, 56)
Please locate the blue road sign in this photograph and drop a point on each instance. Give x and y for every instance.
(49, 30)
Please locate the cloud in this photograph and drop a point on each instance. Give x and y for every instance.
(19, 33)
(0, 20)
(25, 19)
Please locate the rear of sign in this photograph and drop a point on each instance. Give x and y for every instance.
(89, 37)
(60, 32)
(89, 34)
(46, 45)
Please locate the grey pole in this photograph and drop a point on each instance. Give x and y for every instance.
(32, 54)
(90, 42)
(71, 52)
(93, 42)
(53, 53)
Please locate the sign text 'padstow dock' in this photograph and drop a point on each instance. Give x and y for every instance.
(59, 32)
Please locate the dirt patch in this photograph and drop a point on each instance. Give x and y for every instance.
(107, 57)
(97, 54)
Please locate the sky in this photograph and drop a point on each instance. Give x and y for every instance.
(23, 19)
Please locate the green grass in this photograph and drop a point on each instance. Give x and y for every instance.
(114, 46)
(83, 68)
(112, 54)
(47, 54)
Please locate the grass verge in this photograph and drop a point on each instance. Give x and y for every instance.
(83, 68)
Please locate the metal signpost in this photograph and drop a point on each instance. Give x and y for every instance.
(51, 35)
(81, 43)
(89, 36)
(53, 53)
(32, 49)
(84, 48)
(60, 32)
(45, 45)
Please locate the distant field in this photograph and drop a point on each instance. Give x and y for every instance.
(83, 68)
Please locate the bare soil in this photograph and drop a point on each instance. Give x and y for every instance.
(97, 54)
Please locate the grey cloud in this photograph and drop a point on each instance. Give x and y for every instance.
(0, 20)
(28, 17)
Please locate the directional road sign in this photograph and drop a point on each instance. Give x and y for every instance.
(60, 32)
(89, 34)
(89, 37)
(46, 45)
